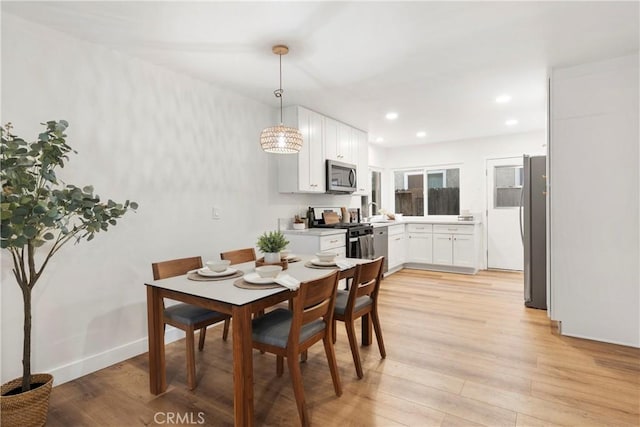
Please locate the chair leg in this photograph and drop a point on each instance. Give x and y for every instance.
(298, 388)
(333, 365)
(334, 336)
(225, 331)
(353, 343)
(203, 333)
(191, 359)
(378, 329)
(279, 365)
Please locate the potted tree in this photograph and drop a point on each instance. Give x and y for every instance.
(271, 243)
(39, 216)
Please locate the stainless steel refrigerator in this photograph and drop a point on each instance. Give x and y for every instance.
(533, 229)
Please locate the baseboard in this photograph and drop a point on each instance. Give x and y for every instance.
(93, 363)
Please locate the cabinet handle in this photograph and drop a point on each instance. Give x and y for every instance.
(399, 238)
(452, 229)
(333, 241)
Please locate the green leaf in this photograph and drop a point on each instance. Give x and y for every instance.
(48, 236)
(6, 231)
(134, 205)
(30, 231)
(88, 189)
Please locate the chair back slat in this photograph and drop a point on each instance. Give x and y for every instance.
(315, 299)
(366, 281)
(175, 267)
(239, 256)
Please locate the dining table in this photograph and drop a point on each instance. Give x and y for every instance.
(224, 296)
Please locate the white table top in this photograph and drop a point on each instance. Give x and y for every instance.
(225, 291)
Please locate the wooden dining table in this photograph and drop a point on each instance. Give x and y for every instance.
(225, 297)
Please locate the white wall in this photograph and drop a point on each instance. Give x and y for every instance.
(175, 145)
(594, 201)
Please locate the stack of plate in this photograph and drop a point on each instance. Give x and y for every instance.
(208, 273)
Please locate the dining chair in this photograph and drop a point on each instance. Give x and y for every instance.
(187, 317)
(238, 256)
(288, 333)
(361, 299)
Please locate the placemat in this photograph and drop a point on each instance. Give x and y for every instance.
(321, 267)
(195, 276)
(241, 283)
(294, 259)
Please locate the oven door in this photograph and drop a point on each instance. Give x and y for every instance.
(353, 247)
(341, 177)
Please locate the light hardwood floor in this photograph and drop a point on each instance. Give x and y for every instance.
(461, 351)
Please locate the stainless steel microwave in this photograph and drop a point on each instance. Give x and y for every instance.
(341, 177)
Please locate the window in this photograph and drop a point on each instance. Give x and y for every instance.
(376, 190)
(442, 192)
(508, 186)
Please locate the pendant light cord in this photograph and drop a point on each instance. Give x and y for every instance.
(278, 92)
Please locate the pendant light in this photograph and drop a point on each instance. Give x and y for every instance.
(280, 139)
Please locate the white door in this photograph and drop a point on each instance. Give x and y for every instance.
(504, 187)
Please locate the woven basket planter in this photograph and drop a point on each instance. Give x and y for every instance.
(26, 409)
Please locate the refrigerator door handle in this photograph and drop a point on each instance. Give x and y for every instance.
(520, 213)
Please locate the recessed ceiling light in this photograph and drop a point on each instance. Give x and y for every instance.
(379, 139)
(503, 99)
(511, 122)
(421, 134)
(391, 115)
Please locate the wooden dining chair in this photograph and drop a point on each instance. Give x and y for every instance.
(288, 333)
(187, 317)
(359, 300)
(237, 256)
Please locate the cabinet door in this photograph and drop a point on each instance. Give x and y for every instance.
(396, 252)
(311, 176)
(363, 178)
(442, 249)
(463, 251)
(419, 248)
(331, 138)
(345, 138)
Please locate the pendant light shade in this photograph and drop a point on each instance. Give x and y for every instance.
(280, 139)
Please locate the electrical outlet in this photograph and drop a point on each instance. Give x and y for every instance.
(215, 213)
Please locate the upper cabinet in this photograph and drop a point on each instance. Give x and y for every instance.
(323, 138)
(303, 172)
(340, 141)
(362, 161)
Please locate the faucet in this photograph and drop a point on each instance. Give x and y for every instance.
(371, 213)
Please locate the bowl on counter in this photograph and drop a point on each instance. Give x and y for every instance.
(326, 256)
(218, 266)
(268, 271)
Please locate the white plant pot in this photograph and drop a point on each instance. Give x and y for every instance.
(272, 257)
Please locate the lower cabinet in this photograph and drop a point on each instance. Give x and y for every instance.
(420, 248)
(454, 245)
(396, 252)
(304, 242)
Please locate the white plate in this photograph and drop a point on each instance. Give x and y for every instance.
(255, 279)
(316, 261)
(208, 273)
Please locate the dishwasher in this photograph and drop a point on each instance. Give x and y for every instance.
(380, 245)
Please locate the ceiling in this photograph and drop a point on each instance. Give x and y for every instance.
(439, 65)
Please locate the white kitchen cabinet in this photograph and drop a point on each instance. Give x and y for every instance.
(396, 251)
(455, 245)
(363, 179)
(311, 241)
(420, 243)
(303, 172)
(340, 141)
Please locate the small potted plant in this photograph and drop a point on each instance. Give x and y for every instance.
(298, 223)
(39, 216)
(271, 243)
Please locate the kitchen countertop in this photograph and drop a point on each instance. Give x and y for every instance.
(425, 221)
(316, 231)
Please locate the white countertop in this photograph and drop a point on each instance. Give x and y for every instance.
(316, 231)
(425, 221)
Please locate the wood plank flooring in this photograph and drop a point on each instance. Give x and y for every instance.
(461, 351)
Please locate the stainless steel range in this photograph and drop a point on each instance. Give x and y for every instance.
(359, 235)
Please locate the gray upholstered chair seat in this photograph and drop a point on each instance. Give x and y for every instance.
(273, 328)
(190, 314)
(343, 296)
